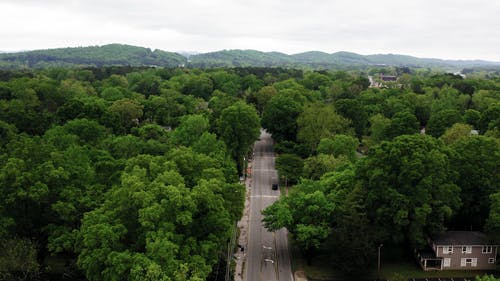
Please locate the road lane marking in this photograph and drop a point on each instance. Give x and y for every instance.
(264, 170)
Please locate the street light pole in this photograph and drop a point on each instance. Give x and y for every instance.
(378, 271)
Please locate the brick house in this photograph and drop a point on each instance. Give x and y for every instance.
(459, 250)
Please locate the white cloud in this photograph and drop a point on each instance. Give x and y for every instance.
(427, 28)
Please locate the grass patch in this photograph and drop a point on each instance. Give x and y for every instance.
(56, 264)
(320, 268)
(405, 270)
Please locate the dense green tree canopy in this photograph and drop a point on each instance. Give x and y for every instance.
(286, 110)
(305, 214)
(152, 227)
(410, 187)
(319, 121)
(290, 167)
(442, 120)
(130, 173)
(476, 162)
(239, 127)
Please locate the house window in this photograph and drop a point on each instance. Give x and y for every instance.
(446, 262)
(466, 249)
(491, 260)
(468, 261)
(487, 249)
(447, 249)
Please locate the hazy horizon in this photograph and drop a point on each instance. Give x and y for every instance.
(458, 30)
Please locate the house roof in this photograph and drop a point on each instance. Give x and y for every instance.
(428, 253)
(461, 238)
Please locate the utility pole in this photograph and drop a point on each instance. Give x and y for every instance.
(378, 270)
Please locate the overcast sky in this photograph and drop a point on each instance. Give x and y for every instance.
(449, 29)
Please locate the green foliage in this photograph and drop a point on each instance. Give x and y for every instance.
(190, 129)
(319, 121)
(456, 132)
(18, 260)
(441, 120)
(353, 240)
(353, 110)
(493, 221)
(7, 132)
(410, 188)
(286, 110)
(339, 145)
(486, 277)
(199, 86)
(317, 166)
(315, 81)
(402, 123)
(239, 127)
(152, 226)
(379, 129)
(130, 173)
(490, 118)
(472, 117)
(126, 114)
(262, 97)
(476, 162)
(305, 214)
(290, 166)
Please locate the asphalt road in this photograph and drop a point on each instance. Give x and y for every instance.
(268, 257)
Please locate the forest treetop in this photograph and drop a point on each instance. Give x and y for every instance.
(149, 159)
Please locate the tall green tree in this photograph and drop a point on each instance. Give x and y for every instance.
(410, 188)
(200, 86)
(306, 214)
(190, 129)
(320, 121)
(126, 113)
(290, 167)
(353, 110)
(339, 145)
(403, 123)
(151, 227)
(316, 166)
(239, 127)
(476, 162)
(262, 97)
(442, 120)
(456, 132)
(280, 117)
(379, 128)
(354, 248)
(492, 226)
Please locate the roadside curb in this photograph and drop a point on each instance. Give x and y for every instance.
(241, 254)
(300, 276)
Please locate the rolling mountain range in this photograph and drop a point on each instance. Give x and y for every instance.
(118, 54)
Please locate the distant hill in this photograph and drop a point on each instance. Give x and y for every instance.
(240, 58)
(112, 54)
(322, 60)
(117, 54)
